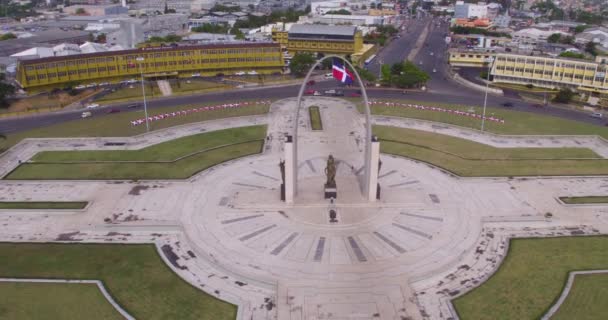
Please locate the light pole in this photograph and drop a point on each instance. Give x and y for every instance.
(143, 92)
(485, 99)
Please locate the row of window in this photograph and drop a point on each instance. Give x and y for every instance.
(529, 70)
(540, 62)
(550, 73)
(189, 53)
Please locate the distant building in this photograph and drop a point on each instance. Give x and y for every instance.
(464, 10)
(598, 35)
(92, 10)
(355, 20)
(472, 23)
(533, 36)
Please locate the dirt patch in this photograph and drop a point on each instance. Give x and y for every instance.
(171, 256)
(69, 236)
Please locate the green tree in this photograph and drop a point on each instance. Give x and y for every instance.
(219, 7)
(173, 38)
(581, 28)
(564, 95)
(366, 74)
(569, 54)
(341, 12)
(80, 11)
(7, 36)
(591, 49)
(410, 76)
(385, 73)
(238, 34)
(554, 38)
(396, 68)
(301, 63)
(6, 90)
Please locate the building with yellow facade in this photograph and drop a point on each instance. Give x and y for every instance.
(159, 62)
(324, 39)
(549, 72)
(460, 58)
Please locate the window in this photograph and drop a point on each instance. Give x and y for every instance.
(101, 60)
(111, 68)
(39, 66)
(60, 64)
(52, 75)
(102, 69)
(72, 72)
(92, 69)
(29, 68)
(41, 76)
(71, 63)
(30, 78)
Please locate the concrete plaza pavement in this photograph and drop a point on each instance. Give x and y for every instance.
(431, 237)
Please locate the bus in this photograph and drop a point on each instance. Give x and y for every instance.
(370, 59)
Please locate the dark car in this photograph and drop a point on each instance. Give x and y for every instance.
(507, 104)
(113, 110)
(339, 93)
(538, 105)
(311, 83)
(134, 106)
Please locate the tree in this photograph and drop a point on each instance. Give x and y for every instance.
(554, 38)
(166, 7)
(590, 48)
(7, 36)
(6, 90)
(301, 63)
(564, 95)
(409, 76)
(385, 73)
(570, 54)
(101, 38)
(340, 12)
(581, 28)
(366, 74)
(80, 11)
(396, 68)
(238, 34)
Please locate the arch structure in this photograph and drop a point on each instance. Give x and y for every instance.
(368, 128)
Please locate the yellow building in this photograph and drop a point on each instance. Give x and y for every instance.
(315, 38)
(551, 72)
(180, 61)
(458, 58)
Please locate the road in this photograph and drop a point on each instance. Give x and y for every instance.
(440, 89)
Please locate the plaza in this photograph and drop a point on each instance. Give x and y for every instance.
(431, 237)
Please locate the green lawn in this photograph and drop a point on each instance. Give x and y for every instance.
(315, 118)
(586, 300)
(516, 122)
(467, 158)
(42, 205)
(583, 200)
(175, 159)
(197, 86)
(54, 301)
(532, 277)
(136, 277)
(118, 124)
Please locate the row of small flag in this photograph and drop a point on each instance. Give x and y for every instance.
(195, 110)
(438, 109)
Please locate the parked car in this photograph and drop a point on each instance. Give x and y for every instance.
(330, 92)
(311, 83)
(104, 84)
(338, 93)
(598, 115)
(329, 75)
(134, 106)
(252, 73)
(317, 93)
(507, 104)
(538, 105)
(80, 87)
(309, 91)
(240, 73)
(92, 105)
(113, 110)
(86, 114)
(354, 94)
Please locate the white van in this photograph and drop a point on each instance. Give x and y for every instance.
(85, 114)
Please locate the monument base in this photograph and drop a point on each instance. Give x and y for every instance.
(331, 191)
(378, 192)
(282, 192)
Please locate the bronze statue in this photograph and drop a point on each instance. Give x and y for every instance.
(282, 167)
(330, 172)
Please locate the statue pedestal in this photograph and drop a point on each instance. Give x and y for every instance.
(331, 191)
(282, 192)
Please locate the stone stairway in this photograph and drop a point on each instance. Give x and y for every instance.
(164, 87)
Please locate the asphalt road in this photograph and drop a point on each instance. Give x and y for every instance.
(440, 88)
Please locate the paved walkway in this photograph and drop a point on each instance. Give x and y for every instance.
(400, 257)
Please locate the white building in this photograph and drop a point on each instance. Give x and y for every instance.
(66, 49)
(464, 10)
(336, 19)
(34, 53)
(533, 36)
(598, 35)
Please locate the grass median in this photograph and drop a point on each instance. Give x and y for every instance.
(532, 277)
(43, 205)
(586, 300)
(585, 200)
(118, 124)
(315, 118)
(20, 300)
(516, 122)
(175, 159)
(135, 275)
(467, 158)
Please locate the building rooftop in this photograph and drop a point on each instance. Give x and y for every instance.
(317, 29)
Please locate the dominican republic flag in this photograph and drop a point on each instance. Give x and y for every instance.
(341, 73)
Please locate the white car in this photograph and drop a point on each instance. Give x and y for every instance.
(240, 73)
(80, 87)
(196, 75)
(329, 75)
(317, 93)
(597, 115)
(92, 105)
(91, 85)
(104, 84)
(432, 53)
(253, 72)
(434, 70)
(85, 114)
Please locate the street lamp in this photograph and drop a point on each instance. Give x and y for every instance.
(485, 99)
(143, 92)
